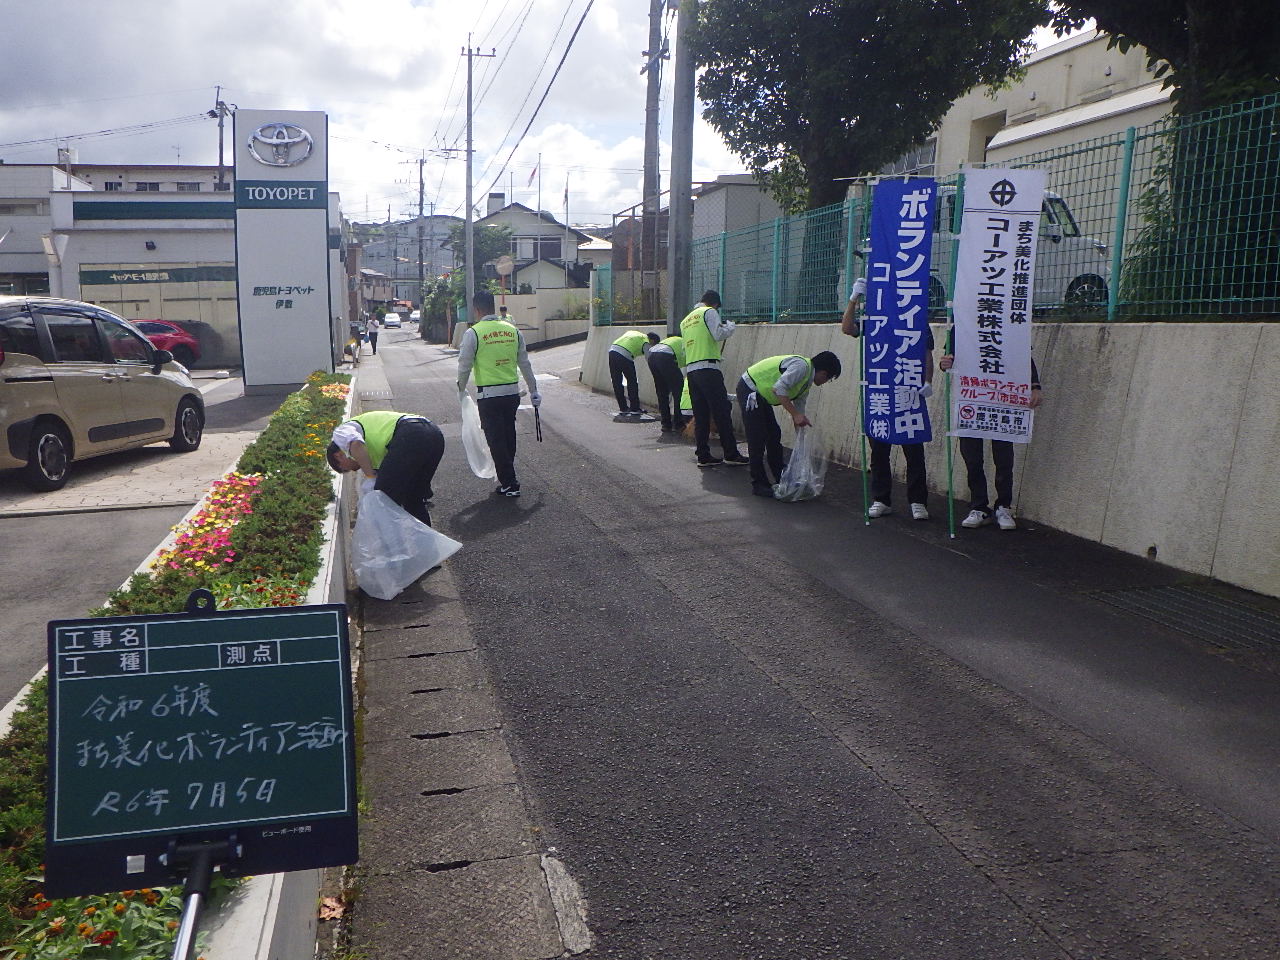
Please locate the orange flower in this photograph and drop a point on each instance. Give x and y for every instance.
(120, 908)
(90, 911)
(43, 905)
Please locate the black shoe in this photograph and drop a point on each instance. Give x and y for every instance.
(709, 461)
(513, 491)
(736, 459)
(762, 490)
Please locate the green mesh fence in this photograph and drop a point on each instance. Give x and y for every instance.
(1179, 218)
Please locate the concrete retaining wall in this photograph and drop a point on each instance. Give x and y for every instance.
(1152, 435)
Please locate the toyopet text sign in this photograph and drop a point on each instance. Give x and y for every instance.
(896, 332)
(995, 277)
(282, 244)
(198, 727)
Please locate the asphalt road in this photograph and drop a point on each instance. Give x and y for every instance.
(768, 730)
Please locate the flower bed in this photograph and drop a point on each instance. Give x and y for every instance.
(255, 542)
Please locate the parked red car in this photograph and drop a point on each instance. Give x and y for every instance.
(169, 336)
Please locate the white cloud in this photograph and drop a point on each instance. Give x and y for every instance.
(388, 72)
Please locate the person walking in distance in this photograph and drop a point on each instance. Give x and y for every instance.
(666, 363)
(704, 331)
(374, 326)
(494, 350)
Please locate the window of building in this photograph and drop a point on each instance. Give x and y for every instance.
(188, 187)
(112, 185)
(143, 186)
(21, 208)
(221, 186)
(531, 248)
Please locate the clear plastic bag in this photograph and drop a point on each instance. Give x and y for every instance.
(390, 549)
(805, 472)
(473, 440)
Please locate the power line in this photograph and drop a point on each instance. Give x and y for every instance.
(550, 83)
(111, 131)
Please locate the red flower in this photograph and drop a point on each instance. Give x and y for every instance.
(105, 937)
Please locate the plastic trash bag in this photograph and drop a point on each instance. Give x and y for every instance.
(473, 440)
(805, 471)
(390, 549)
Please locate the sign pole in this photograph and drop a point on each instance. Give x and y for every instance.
(957, 218)
(199, 859)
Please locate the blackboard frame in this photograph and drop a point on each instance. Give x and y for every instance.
(305, 663)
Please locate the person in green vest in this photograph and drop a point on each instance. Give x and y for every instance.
(622, 365)
(399, 451)
(782, 381)
(494, 350)
(666, 363)
(703, 331)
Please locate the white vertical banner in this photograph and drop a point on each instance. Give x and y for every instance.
(995, 280)
(282, 245)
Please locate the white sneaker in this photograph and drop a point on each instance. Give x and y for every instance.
(976, 518)
(879, 509)
(919, 511)
(1004, 517)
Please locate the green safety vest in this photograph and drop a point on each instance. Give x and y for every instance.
(497, 347)
(698, 342)
(633, 342)
(765, 373)
(378, 426)
(677, 347)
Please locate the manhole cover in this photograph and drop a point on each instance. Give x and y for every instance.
(1200, 614)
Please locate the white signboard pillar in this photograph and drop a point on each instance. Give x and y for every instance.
(282, 246)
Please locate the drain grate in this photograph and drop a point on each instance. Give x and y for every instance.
(1200, 614)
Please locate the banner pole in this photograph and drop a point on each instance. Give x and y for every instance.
(868, 199)
(957, 220)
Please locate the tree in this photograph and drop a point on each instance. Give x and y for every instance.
(810, 91)
(1212, 53)
(491, 242)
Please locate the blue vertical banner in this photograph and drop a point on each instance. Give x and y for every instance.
(896, 328)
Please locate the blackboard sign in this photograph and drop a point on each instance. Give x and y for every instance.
(194, 728)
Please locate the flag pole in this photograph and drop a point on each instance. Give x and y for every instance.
(957, 220)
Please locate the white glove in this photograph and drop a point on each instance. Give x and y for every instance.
(753, 399)
(926, 391)
(536, 400)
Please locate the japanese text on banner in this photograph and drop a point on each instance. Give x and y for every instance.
(896, 330)
(995, 283)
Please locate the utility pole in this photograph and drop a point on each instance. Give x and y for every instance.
(651, 189)
(469, 230)
(680, 222)
(422, 278)
(220, 110)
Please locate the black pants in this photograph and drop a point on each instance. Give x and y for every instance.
(407, 470)
(882, 476)
(373, 340)
(498, 421)
(1002, 453)
(669, 383)
(764, 437)
(620, 367)
(710, 400)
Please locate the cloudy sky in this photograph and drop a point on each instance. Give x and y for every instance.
(389, 73)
